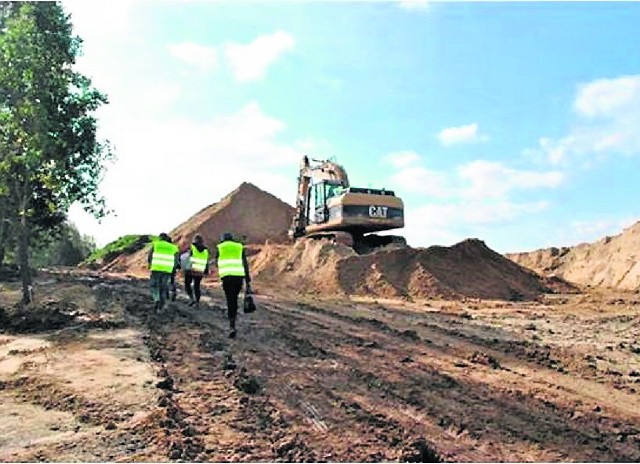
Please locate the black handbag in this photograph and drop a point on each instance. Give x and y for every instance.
(249, 305)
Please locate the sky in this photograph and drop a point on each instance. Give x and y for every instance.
(515, 123)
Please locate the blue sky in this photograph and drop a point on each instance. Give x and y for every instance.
(516, 123)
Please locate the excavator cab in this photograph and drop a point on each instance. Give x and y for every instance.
(322, 192)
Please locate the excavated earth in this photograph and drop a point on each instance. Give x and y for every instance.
(466, 269)
(612, 262)
(91, 373)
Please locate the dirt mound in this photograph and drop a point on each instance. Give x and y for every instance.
(249, 213)
(610, 262)
(467, 269)
(246, 212)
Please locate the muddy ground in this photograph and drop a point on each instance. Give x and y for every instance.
(92, 374)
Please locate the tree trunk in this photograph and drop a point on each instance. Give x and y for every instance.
(3, 232)
(23, 258)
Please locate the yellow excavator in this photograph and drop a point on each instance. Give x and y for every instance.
(327, 206)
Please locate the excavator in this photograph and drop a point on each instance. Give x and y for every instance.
(327, 206)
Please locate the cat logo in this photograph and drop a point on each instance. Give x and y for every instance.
(378, 211)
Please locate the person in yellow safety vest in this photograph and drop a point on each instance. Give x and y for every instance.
(197, 257)
(233, 269)
(162, 260)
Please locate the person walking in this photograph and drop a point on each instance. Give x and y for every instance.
(233, 269)
(162, 260)
(196, 260)
(172, 287)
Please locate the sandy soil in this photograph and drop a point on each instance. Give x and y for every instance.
(612, 261)
(92, 374)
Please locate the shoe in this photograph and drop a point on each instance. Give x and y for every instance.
(173, 297)
(232, 334)
(197, 305)
(191, 303)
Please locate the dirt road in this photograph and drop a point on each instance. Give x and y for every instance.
(93, 374)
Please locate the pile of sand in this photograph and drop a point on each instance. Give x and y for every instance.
(610, 262)
(467, 269)
(247, 212)
(251, 214)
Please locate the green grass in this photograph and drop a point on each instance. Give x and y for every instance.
(127, 244)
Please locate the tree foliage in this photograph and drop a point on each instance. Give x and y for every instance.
(65, 247)
(50, 156)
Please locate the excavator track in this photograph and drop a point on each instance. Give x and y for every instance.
(337, 237)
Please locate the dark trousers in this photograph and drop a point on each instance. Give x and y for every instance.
(190, 277)
(172, 288)
(232, 286)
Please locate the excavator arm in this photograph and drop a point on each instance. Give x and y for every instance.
(300, 218)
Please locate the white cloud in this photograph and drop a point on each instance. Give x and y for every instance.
(492, 179)
(461, 134)
(446, 206)
(574, 232)
(448, 223)
(402, 159)
(192, 164)
(608, 115)
(171, 163)
(202, 56)
(250, 62)
(479, 211)
(590, 231)
(608, 97)
(423, 181)
(479, 178)
(414, 4)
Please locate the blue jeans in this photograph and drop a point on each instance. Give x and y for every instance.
(159, 283)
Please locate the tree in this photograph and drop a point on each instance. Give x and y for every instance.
(50, 154)
(63, 247)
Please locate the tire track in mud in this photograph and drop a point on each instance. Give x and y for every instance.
(304, 409)
(167, 427)
(405, 444)
(519, 409)
(211, 396)
(553, 358)
(357, 341)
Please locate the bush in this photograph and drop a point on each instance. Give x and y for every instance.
(125, 245)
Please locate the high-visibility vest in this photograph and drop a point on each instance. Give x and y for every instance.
(199, 259)
(230, 259)
(163, 257)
